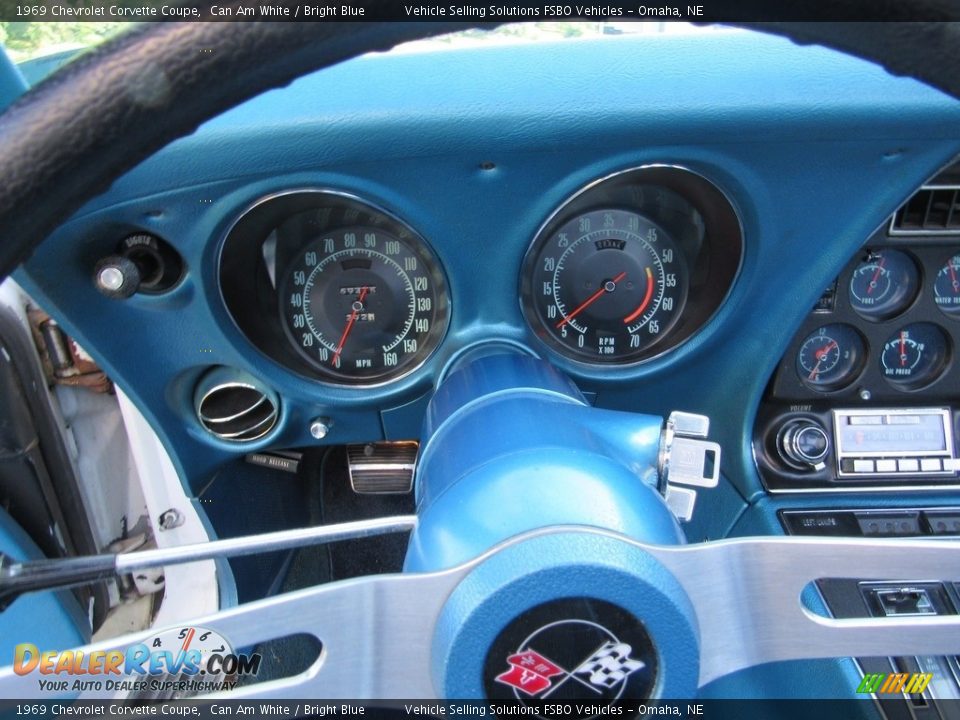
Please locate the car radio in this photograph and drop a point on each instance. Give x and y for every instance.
(812, 448)
(914, 442)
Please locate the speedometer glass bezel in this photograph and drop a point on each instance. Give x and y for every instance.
(613, 304)
(334, 271)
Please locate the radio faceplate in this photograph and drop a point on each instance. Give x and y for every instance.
(888, 448)
(907, 442)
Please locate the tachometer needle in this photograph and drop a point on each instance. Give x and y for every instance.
(607, 287)
(357, 307)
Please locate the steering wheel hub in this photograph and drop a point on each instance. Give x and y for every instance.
(564, 616)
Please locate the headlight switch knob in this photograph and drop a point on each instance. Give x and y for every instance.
(117, 277)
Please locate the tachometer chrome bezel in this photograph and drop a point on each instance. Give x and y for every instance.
(700, 192)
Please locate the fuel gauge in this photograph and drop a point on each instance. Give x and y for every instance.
(831, 357)
(884, 284)
(915, 356)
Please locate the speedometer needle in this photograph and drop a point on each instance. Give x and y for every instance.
(608, 286)
(357, 307)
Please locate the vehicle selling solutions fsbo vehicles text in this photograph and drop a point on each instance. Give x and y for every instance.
(556, 12)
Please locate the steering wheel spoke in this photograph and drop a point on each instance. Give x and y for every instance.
(378, 632)
(369, 628)
(747, 597)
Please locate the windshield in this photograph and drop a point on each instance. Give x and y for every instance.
(39, 48)
(29, 40)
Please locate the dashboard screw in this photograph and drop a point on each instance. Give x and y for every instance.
(171, 519)
(865, 394)
(320, 427)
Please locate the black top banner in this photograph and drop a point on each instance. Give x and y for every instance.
(479, 11)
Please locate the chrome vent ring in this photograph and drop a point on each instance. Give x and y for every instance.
(234, 406)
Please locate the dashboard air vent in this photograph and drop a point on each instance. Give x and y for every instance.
(234, 406)
(933, 210)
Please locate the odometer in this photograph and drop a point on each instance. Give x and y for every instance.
(605, 286)
(364, 305)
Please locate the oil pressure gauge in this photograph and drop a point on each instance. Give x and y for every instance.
(915, 356)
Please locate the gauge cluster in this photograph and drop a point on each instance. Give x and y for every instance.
(887, 329)
(875, 359)
(338, 290)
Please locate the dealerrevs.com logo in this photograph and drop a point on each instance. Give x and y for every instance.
(188, 660)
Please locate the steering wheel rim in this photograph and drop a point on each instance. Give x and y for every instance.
(96, 118)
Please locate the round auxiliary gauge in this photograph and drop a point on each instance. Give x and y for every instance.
(363, 304)
(884, 284)
(605, 286)
(831, 357)
(915, 356)
(946, 287)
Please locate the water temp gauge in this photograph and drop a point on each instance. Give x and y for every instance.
(915, 356)
(884, 284)
(946, 287)
(831, 357)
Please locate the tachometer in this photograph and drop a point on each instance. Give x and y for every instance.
(605, 286)
(362, 304)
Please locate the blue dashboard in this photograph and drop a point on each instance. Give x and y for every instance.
(474, 150)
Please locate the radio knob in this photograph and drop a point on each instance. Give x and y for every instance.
(805, 444)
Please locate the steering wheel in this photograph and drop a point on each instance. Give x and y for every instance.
(666, 618)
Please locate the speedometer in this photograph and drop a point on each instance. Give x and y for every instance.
(362, 304)
(605, 286)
